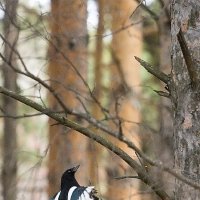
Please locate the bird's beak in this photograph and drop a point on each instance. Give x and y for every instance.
(74, 169)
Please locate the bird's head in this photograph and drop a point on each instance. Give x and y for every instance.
(68, 176)
(71, 171)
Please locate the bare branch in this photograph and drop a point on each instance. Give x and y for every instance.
(162, 93)
(158, 74)
(20, 116)
(188, 58)
(139, 4)
(125, 177)
(160, 165)
(146, 178)
(145, 7)
(87, 132)
(32, 76)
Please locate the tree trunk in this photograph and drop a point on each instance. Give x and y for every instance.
(69, 39)
(125, 77)
(97, 172)
(185, 94)
(9, 171)
(165, 150)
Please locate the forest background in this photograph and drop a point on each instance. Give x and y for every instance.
(74, 72)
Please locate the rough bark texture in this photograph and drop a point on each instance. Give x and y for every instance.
(125, 78)
(185, 90)
(9, 171)
(69, 39)
(165, 150)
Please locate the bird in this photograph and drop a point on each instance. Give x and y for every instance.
(71, 190)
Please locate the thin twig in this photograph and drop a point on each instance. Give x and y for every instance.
(145, 7)
(32, 76)
(139, 4)
(160, 165)
(67, 110)
(125, 177)
(20, 116)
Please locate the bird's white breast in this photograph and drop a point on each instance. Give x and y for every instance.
(71, 190)
(57, 196)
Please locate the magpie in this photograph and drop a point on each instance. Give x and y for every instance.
(71, 190)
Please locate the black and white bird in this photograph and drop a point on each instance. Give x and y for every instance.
(71, 190)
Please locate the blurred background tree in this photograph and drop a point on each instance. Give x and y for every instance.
(9, 105)
(67, 70)
(124, 90)
(76, 59)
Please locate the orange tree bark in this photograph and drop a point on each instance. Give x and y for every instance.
(9, 171)
(125, 79)
(95, 150)
(185, 93)
(67, 69)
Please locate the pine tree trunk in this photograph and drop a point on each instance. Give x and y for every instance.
(9, 171)
(125, 78)
(185, 91)
(69, 39)
(97, 173)
(165, 141)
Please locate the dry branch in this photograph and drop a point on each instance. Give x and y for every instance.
(145, 7)
(158, 74)
(188, 58)
(87, 132)
(125, 177)
(160, 165)
(146, 178)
